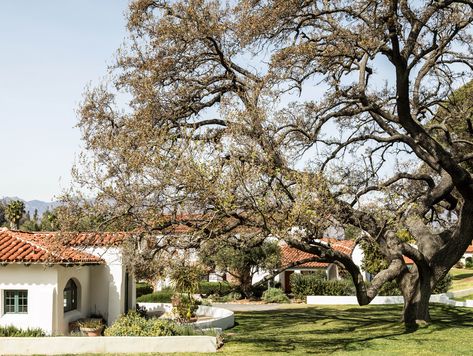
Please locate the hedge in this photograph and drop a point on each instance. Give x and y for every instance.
(143, 288)
(163, 296)
(215, 288)
(303, 285)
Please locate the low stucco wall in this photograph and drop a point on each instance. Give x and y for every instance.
(351, 300)
(222, 318)
(460, 293)
(106, 344)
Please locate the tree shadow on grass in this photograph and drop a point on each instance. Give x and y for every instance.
(330, 329)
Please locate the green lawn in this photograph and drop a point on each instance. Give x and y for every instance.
(348, 330)
(462, 278)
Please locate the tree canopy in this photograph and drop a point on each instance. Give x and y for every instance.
(289, 117)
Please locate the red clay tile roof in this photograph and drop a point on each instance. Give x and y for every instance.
(93, 239)
(469, 249)
(26, 247)
(290, 255)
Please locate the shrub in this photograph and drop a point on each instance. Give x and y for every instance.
(275, 295)
(163, 296)
(185, 306)
(214, 288)
(469, 262)
(143, 288)
(132, 324)
(227, 298)
(316, 284)
(338, 287)
(443, 285)
(16, 332)
(389, 288)
(304, 285)
(257, 291)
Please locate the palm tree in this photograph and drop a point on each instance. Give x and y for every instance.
(14, 212)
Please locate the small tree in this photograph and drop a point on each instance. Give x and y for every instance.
(185, 279)
(49, 221)
(241, 259)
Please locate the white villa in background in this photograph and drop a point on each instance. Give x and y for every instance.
(290, 256)
(46, 284)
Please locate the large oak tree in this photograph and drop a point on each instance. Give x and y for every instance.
(287, 117)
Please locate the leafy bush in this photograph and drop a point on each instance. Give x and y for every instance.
(338, 287)
(132, 324)
(227, 298)
(275, 295)
(185, 306)
(143, 288)
(163, 296)
(469, 262)
(214, 288)
(389, 288)
(16, 332)
(257, 291)
(303, 285)
(443, 285)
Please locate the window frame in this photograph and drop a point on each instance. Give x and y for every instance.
(70, 295)
(16, 295)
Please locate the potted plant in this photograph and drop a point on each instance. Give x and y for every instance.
(91, 327)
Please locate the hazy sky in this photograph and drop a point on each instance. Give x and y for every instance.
(49, 51)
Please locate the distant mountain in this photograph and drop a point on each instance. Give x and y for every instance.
(31, 205)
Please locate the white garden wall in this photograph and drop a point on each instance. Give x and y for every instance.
(106, 344)
(351, 300)
(221, 318)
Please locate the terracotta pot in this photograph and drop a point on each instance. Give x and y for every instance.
(92, 331)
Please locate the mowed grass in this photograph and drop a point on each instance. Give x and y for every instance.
(462, 278)
(347, 330)
(340, 330)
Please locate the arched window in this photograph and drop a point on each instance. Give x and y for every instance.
(70, 296)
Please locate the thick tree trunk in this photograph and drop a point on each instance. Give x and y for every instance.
(245, 279)
(416, 292)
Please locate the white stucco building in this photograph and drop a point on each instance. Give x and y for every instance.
(47, 283)
(291, 258)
